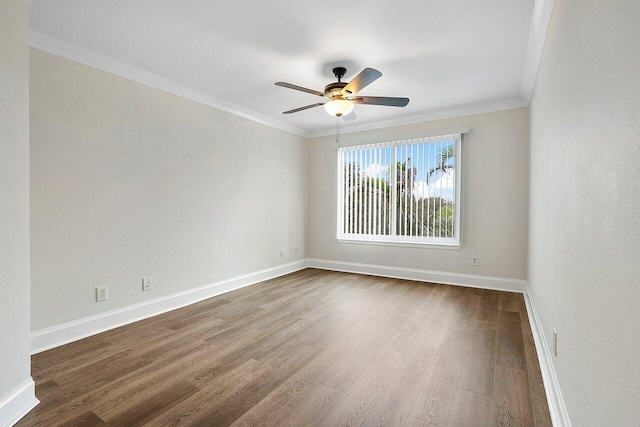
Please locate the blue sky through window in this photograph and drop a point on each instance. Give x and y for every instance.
(424, 158)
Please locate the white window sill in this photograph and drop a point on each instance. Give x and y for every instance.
(442, 246)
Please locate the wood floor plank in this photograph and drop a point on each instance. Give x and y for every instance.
(69, 355)
(355, 404)
(346, 371)
(307, 411)
(128, 391)
(74, 402)
(466, 316)
(392, 314)
(151, 407)
(489, 303)
(85, 419)
(47, 388)
(236, 404)
(512, 401)
(510, 351)
(298, 385)
(204, 318)
(306, 348)
(103, 372)
(471, 409)
(394, 404)
(511, 301)
(195, 409)
(539, 403)
(417, 422)
(436, 327)
(324, 331)
(478, 371)
(400, 344)
(436, 397)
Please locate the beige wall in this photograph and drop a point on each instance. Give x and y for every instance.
(129, 181)
(584, 250)
(494, 198)
(14, 195)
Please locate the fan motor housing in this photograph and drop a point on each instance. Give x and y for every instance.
(335, 89)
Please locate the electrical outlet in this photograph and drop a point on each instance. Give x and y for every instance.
(475, 260)
(281, 253)
(102, 293)
(295, 251)
(555, 343)
(147, 284)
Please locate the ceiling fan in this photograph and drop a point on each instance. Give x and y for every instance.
(342, 96)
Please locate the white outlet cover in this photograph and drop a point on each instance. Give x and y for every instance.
(147, 284)
(102, 293)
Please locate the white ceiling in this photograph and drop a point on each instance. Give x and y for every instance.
(443, 54)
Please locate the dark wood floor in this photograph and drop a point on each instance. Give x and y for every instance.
(311, 348)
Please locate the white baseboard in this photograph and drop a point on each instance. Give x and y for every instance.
(17, 403)
(58, 335)
(557, 408)
(484, 282)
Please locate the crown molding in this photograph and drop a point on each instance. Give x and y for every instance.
(102, 62)
(542, 11)
(465, 110)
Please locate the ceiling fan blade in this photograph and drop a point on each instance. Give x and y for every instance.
(350, 117)
(306, 107)
(381, 100)
(365, 78)
(300, 88)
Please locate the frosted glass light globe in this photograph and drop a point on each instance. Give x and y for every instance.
(338, 107)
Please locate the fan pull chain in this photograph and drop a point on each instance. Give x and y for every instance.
(337, 133)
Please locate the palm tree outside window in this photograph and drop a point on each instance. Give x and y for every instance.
(402, 191)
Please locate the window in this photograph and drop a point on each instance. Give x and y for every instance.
(401, 191)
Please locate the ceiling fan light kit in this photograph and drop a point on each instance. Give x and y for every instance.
(338, 107)
(341, 95)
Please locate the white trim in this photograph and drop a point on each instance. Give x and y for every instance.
(458, 208)
(541, 18)
(59, 47)
(15, 404)
(55, 336)
(465, 110)
(22, 399)
(392, 238)
(93, 59)
(557, 408)
(446, 247)
(458, 279)
(542, 11)
(400, 135)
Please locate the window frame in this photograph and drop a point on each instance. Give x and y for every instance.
(453, 243)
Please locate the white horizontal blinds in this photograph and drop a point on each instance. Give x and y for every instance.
(400, 191)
